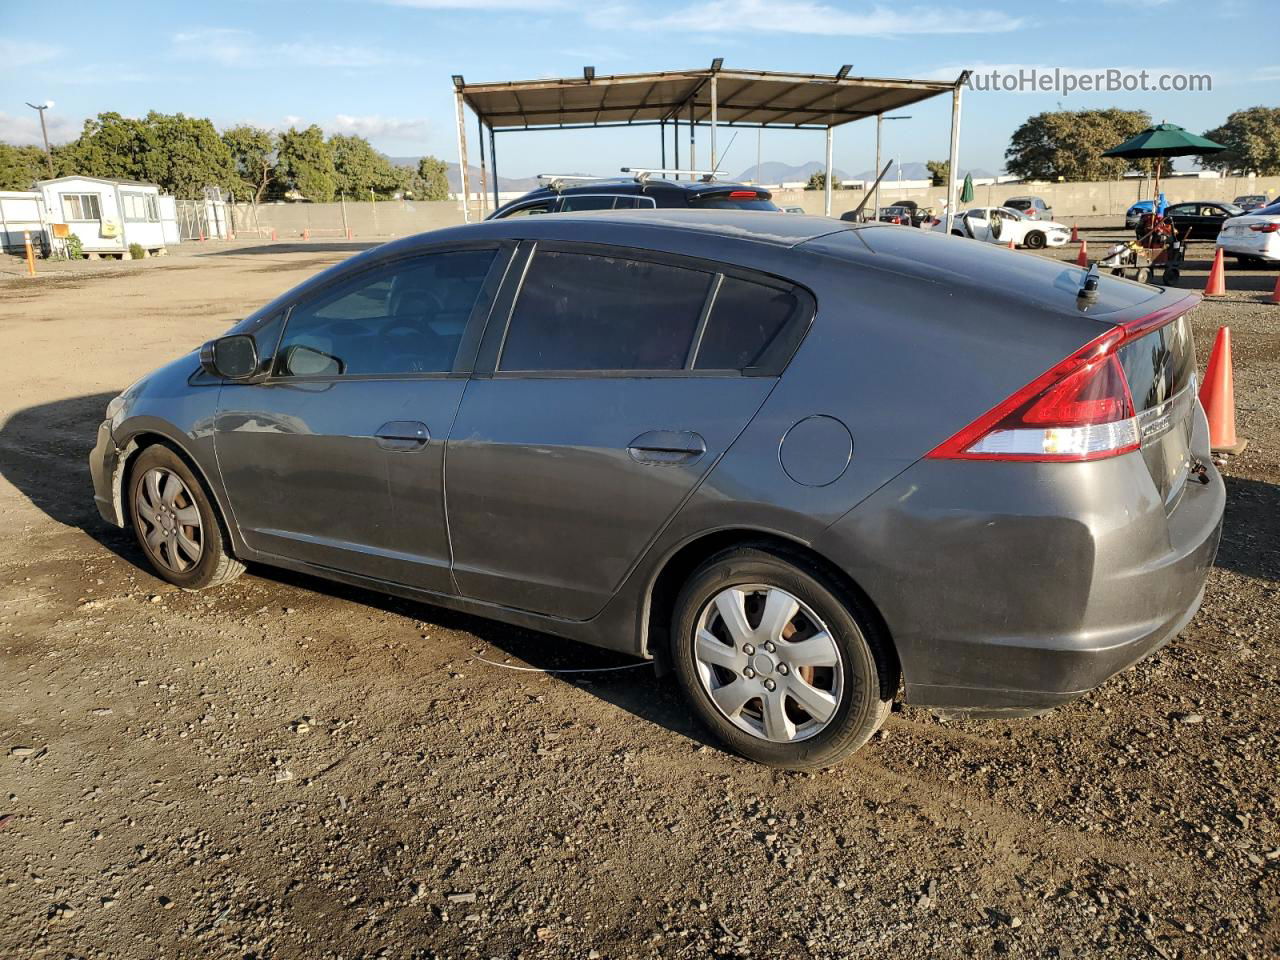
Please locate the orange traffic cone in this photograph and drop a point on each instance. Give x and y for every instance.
(1075, 234)
(1012, 245)
(1218, 397)
(1217, 285)
(1275, 294)
(1082, 258)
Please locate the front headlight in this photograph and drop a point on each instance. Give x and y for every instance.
(115, 406)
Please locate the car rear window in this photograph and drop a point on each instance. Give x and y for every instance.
(1160, 365)
(583, 312)
(733, 200)
(745, 319)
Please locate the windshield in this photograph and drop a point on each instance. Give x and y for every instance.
(1232, 208)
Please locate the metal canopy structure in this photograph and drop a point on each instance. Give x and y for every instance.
(710, 98)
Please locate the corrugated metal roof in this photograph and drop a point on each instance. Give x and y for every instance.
(744, 97)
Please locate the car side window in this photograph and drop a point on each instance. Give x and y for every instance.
(404, 317)
(530, 210)
(587, 202)
(1181, 209)
(588, 312)
(746, 317)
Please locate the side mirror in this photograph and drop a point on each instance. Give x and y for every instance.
(231, 358)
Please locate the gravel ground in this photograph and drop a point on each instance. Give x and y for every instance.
(287, 768)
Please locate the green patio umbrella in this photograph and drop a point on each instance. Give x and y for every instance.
(1161, 141)
(966, 192)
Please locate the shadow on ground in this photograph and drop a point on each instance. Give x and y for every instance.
(1251, 529)
(44, 453)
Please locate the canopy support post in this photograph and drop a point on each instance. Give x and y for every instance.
(875, 203)
(953, 161)
(714, 119)
(493, 158)
(826, 202)
(462, 158)
(693, 151)
(484, 172)
(675, 141)
(662, 132)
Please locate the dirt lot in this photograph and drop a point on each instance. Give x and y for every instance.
(285, 768)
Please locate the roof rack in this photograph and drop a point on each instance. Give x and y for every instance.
(557, 181)
(644, 173)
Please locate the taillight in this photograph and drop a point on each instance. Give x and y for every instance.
(1080, 409)
(1264, 227)
(743, 195)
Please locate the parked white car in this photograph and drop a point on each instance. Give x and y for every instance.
(1001, 224)
(1253, 237)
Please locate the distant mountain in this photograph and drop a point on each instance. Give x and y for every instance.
(917, 171)
(773, 171)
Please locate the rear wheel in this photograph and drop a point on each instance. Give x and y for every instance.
(1172, 276)
(1143, 275)
(1034, 240)
(775, 660)
(175, 522)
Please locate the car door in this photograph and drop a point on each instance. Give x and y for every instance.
(335, 458)
(613, 383)
(979, 223)
(1183, 216)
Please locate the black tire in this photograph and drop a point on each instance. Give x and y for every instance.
(1034, 240)
(215, 564)
(1172, 276)
(868, 669)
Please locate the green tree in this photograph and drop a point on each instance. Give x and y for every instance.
(304, 163)
(20, 167)
(1252, 139)
(181, 154)
(253, 153)
(359, 169)
(1068, 144)
(111, 145)
(430, 181)
(818, 181)
(185, 155)
(939, 171)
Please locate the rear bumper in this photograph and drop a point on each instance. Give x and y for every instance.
(104, 468)
(1267, 249)
(1008, 594)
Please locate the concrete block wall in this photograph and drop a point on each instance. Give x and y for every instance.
(398, 218)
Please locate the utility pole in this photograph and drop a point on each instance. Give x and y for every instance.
(44, 132)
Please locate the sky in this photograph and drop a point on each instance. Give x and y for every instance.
(381, 68)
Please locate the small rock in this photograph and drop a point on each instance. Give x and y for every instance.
(461, 898)
(22, 751)
(154, 598)
(283, 775)
(101, 711)
(1015, 922)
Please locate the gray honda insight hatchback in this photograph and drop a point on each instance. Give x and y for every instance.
(800, 462)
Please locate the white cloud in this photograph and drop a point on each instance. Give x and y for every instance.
(816, 17)
(292, 120)
(379, 127)
(23, 53)
(22, 129)
(230, 47)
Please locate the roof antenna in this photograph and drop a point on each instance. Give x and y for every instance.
(1088, 293)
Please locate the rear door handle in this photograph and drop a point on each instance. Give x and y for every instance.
(666, 447)
(403, 435)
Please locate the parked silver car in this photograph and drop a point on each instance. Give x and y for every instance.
(796, 460)
(1031, 206)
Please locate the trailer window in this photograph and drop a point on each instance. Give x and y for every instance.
(140, 207)
(81, 206)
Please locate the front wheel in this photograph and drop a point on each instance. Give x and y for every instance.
(1034, 240)
(778, 663)
(175, 522)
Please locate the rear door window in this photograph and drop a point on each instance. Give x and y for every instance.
(587, 312)
(745, 319)
(592, 201)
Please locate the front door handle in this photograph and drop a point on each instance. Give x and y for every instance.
(667, 447)
(403, 435)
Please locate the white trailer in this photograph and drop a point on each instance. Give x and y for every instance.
(109, 215)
